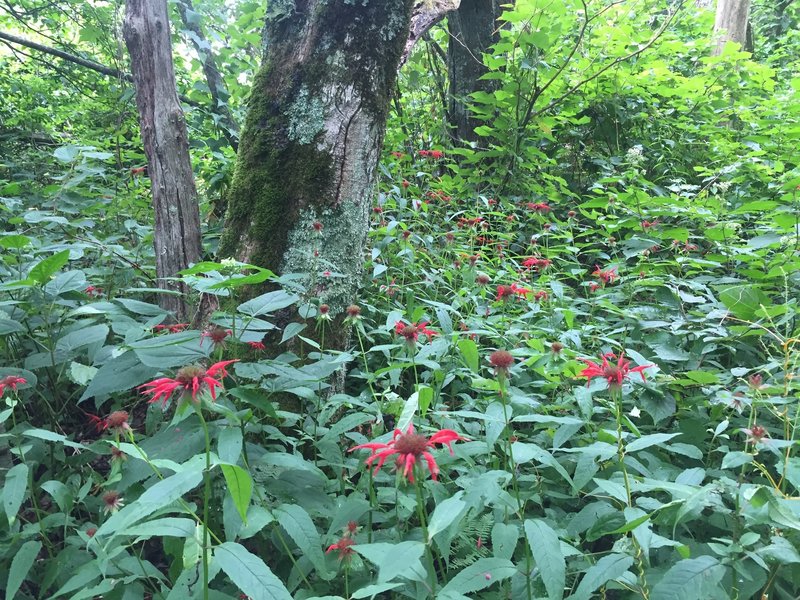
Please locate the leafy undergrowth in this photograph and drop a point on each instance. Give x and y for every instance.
(543, 397)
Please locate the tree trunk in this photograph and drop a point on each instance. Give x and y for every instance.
(216, 86)
(163, 129)
(302, 187)
(730, 23)
(472, 29)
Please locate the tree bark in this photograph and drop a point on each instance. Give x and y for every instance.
(302, 186)
(472, 29)
(216, 86)
(730, 23)
(425, 15)
(163, 129)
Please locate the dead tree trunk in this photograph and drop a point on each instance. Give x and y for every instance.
(472, 29)
(730, 23)
(163, 128)
(302, 187)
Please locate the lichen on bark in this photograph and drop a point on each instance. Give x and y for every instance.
(311, 141)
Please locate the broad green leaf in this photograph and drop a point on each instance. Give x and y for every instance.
(44, 269)
(52, 436)
(649, 440)
(240, 486)
(743, 300)
(690, 579)
(392, 560)
(157, 497)
(469, 350)
(118, 374)
(409, 410)
(229, 445)
(249, 573)
(14, 488)
(166, 527)
(445, 513)
(296, 522)
(546, 550)
(267, 303)
(604, 570)
(20, 565)
(504, 540)
(480, 575)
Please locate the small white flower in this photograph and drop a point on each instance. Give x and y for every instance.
(635, 412)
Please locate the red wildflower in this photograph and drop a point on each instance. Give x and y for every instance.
(615, 374)
(411, 331)
(188, 379)
(556, 347)
(405, 184)
(504, 291)
(343, 546)
(10, 381)
(540, 295)
(353, 311)
(93, 291)
(117, 420)
(536, 263)
(605, 275)
(482, 279)
(756, 434)
(112, 501)
(502, 361)
(217, 335)
(317, 226)
(398, 154)
(410, 448)
(539, 207)
(593, 287)
(257, 345)
(648, 224)
(424, 152)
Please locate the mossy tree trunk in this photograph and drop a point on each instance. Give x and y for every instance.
(473, 30)
(163, 128)
(309, 149)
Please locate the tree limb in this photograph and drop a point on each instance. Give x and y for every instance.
(426, 14)
(83, 62)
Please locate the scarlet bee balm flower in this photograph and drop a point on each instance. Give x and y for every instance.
(613, 373)
(188, 379)
(410, 448)
(10, 381)
(411, 331)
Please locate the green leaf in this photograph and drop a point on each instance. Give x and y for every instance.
(14, 489)
(393, 560)
(157, 497)
(20, 565)
(690, 579)
(743, 300)
(52, 436)
(546, 549)
(480, 575)
(732, 460)
(523, 452)
(702, 377)
(166, 527)
(649, 440)
(268, 303)
(118, 374)
(296, 522)
(254, 397)
(249, 573)
(445, 513)
(504, 540)
(44, 269)
(469, 350)
(606, 569)
(409, 410)
(240, 486)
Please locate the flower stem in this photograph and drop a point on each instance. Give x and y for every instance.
(206, 496)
